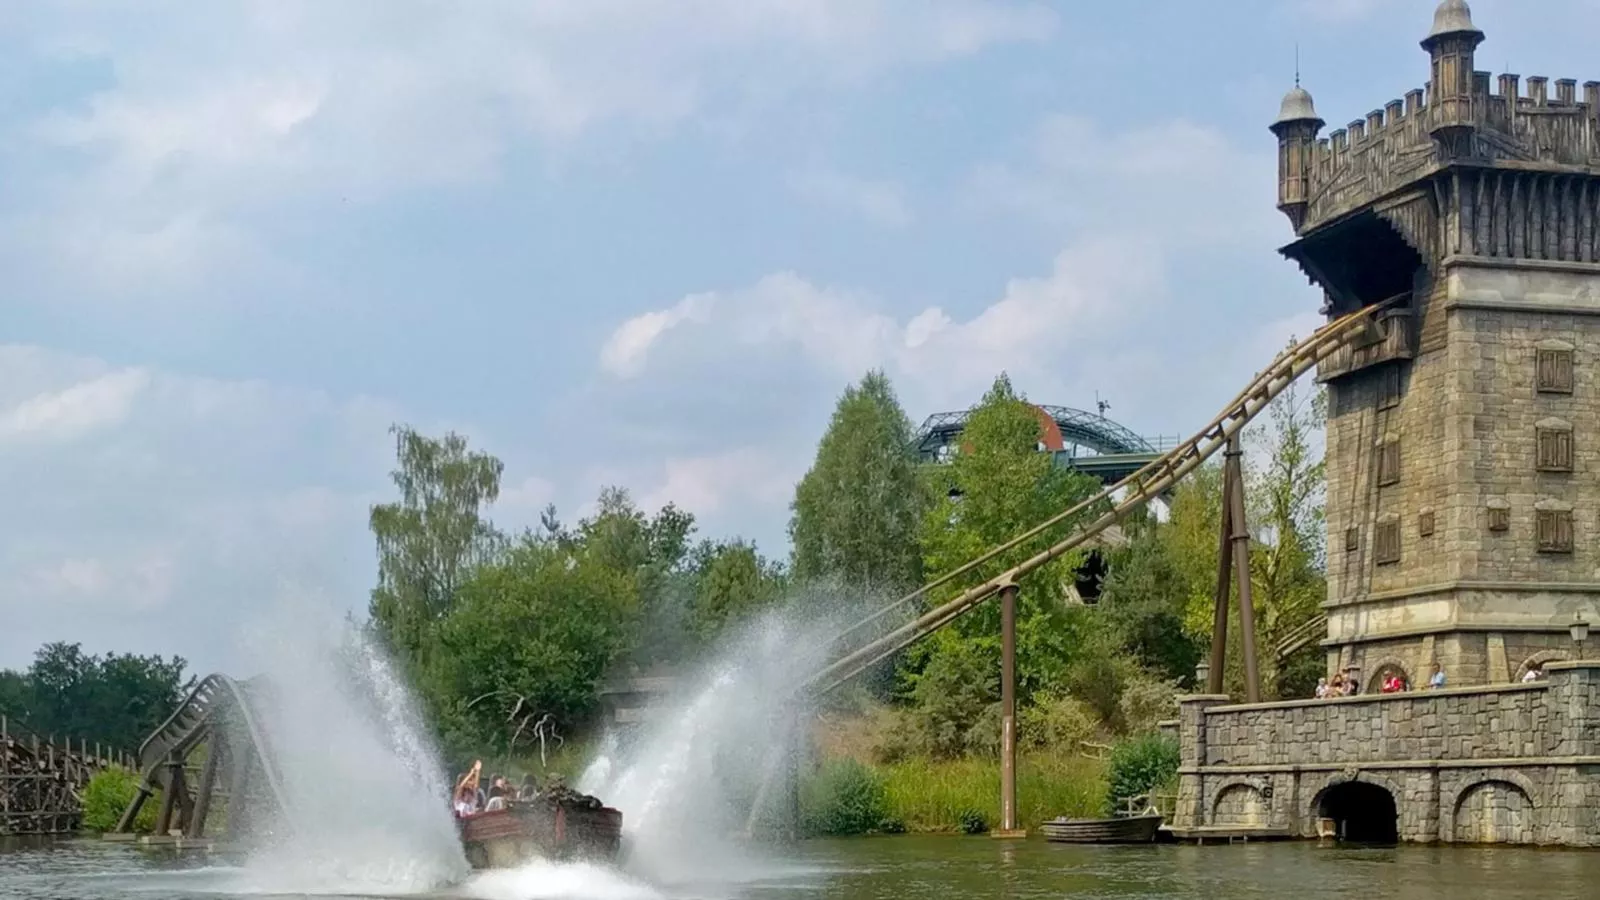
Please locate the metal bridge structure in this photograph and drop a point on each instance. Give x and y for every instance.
(210, 760)
(876, 637)
(1077, 439)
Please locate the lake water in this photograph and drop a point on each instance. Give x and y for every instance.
(889, 869)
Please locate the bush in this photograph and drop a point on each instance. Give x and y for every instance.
(843, 797)
(108, 794)
(1139, 766)
(1146, 701)
(973, 822)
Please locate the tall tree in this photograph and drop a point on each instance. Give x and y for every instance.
(996, 487)
(434, 537)
(117, 699)
(857, 511)
(734, 582)
(1287, 566)
(652, 553)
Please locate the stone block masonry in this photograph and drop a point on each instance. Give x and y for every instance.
(1517, 764)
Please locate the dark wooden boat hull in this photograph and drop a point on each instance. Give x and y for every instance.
(1129, 830)
(505, 838)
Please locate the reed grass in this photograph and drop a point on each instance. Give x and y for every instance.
(931, 795)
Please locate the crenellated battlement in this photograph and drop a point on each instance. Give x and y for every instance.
(1462, 119)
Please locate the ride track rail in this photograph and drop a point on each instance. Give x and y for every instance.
(200, 716)
(1142, 486)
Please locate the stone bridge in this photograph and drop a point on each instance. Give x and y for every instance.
(1515, 764)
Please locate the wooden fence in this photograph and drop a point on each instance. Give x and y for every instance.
(42, 779)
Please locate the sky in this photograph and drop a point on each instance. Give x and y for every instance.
(643, 243)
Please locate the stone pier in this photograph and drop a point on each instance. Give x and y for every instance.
(1511, 764)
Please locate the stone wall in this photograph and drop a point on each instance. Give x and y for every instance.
(1481, 601)
(1512, 764)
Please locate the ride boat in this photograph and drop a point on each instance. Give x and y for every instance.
(561, 825)
(1132, 826)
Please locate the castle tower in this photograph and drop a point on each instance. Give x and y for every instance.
(1463, 435)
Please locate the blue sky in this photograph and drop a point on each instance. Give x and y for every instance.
(630, 242)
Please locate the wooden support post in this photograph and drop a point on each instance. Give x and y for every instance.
(238, 788)
(5, 770)
(208, 780)
(1241, 567)
(169, 794)
(1219, 620)
(1008, 714)
(796, 742)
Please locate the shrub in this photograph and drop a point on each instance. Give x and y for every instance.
(1139, 766)
(1146, 701)
(843, 797)
(108, 794)
(973, 822)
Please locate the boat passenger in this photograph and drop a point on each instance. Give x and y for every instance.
(497, 799)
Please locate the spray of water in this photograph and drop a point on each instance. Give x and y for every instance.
(367, 798)
(687, 780)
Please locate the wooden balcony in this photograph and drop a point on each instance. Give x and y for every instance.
(1393, 336)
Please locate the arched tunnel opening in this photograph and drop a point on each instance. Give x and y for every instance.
(1362, 813)
(1091, 577)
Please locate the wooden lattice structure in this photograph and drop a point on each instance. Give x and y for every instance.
(209, 764)
(42, 780)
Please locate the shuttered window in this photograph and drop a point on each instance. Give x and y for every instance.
(1387, 541)
(1352, 539)
(1388, 462)
(1554, 449)
(1389, 386)
(1425, 523)
(1554, 371)
(1553, 530)
(1499, 518)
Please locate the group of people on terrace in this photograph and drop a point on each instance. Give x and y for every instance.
(1346, 684)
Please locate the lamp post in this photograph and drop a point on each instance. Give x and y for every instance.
(1202, 675)
(1580, 633)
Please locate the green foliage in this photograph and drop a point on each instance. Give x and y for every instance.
(857, 511)
(733, 583)
(1138, 766)
(107, 796)
(951, 695)
(892, 825)
(842, 797)
(972, 822)
(433, 539)
(996, 487)
(531, 634)
(116, 699)
(932, 795)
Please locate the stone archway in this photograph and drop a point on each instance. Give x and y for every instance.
(1385, 667)
(1240, 804)
(1493, 811)
(1539, 660)
(1362, 812)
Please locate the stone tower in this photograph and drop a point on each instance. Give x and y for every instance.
(1463, 433)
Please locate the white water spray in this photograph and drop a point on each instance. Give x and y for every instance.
(367, 799)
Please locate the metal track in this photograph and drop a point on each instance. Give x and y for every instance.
(1140, 487)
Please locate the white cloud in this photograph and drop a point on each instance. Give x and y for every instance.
(1176, 181)
(1032, 323)
(75, 410)
(707, 485)
(174, 162)
(146, 509)
(881, 202)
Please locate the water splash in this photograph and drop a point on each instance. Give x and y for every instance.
(367, 795)
(687, 780)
